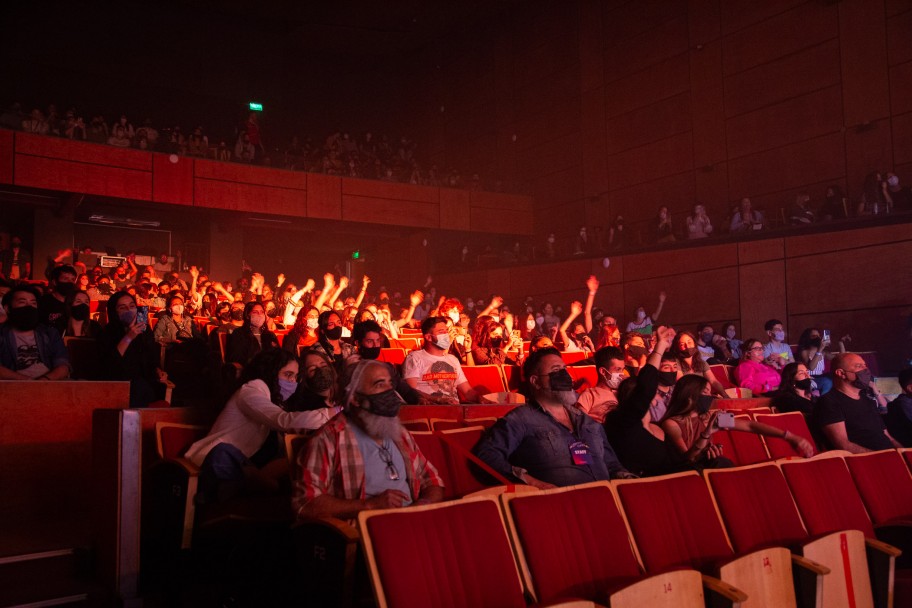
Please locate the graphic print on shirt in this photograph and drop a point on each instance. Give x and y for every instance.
(26, 352)
(441, 377)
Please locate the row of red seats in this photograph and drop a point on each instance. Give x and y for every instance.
(795, 533)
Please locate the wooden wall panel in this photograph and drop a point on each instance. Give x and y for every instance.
(902, 141)
(795, 119)
(705, 21)
(751, 252)
(65, 149)
(591, 43)
(172, 182)
(455, 206)
(809, 70)
(594, 145)
(390, 190)
(640, 202)
(324, 196)
(488, 219)
(654, 45)
(899, 42)
(658, 121)
(811, 244)
(783, 34)
(739, 14)
(866, 149)
(666, 157)
(711, 189)
(901, 88)
(682, 310)
(562, 219)
(707, 95)
(568, 275)
(249, 174)
(665, 263)
(558, 187)
(661, 80)
(57, 174)
(863, 49)
(763, 296)
(384, 211)
(6, 156)
(635, 18)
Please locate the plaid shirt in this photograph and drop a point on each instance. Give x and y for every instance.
(331, 463)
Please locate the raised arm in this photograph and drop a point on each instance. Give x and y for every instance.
(194, 273)
(343, 283)
(415, 299)
(575, 309)
(593, 284)
(658, 310)
(328, 283)
(496, 302)
(365, 281)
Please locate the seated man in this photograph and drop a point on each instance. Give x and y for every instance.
(367, 336)
(52, 305)
(847, 415)
(435, 374)
(601, 398)
(899, 411)
(777, 353)
(549, 442)
(28, 349)
(364, 458)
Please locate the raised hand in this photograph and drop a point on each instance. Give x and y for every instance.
(592, 283)
(416, 298)
(576, 307)
(662, 297)
(343, 282)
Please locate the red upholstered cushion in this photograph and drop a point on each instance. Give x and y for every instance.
(748, 446)
(431, 447)
(721, 372)
(467, 477)
(674, 523)
(794, 423)
(724, 438)
(575, 543)
(757, 507)
(455, 556)
(907, 454)
(884, 483)
(826, 496)
(484, 378)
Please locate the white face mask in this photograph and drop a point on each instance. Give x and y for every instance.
(495, 318)
(442, 341)
(730, 334)
(178, 310)
(313, 323)
(641, 315)
(614, 379)
(257, 320)
(454, 315)
(530, 324)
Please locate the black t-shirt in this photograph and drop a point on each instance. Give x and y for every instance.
(863, 423)
(52, 311)
(787, 401)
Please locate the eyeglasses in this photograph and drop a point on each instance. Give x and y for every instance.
(756, 348)
(387, 457)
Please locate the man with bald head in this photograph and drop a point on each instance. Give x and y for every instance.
(847, 415)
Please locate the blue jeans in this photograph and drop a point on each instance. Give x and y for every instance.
(221, 473)
(824, 383)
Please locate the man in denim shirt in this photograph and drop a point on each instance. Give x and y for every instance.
(28, 349)
(549, 442)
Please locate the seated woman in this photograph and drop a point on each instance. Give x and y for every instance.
(174, 325)
(730, 335)
(812, 351)
(319, 387)
(540, 343)
(129, 351)
(609, 334)
(329, 339)
(690, 361)
(304, 332)
(489, 344)
(529, 327)
(689, 425)
(242, 451)
(578, 339)
(250, 338)
(794, 394)
(78, 322)
(753, 373)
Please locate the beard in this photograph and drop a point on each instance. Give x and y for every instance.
(377, 427)
(565, 398)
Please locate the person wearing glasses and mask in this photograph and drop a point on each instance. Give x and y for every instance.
(251, 337)
(848, 416)
(549, 442)
(433, 372)
(364, 458)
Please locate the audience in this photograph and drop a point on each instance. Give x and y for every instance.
(777, 353)
(899, 411)
(795, 390)
(29, 349)
(434, 373)
(755, 372)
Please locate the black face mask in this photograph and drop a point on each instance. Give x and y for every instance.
(333, 334)
(561, 380)
(496, 342)
(579, 337)
(863, 378)
(668, 378)
(79, 312)
(384, 404)
(237, 314)
(704, 403)
(689, 352)
(815, 342)
(369, 352)
(65, 289)
(804, 385)
(24, 318)
(225, 316)
(322, 380)
(636, 351)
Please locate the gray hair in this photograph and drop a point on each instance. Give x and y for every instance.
(354, 384)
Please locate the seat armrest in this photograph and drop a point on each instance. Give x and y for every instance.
(720, 594)
(881, 570)
(809, 565)
(348, 532)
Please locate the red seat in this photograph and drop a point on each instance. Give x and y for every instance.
(572, 357)
(486, 422)
(455, 554)
(749, 447)
(485, 379)
(587, 374)
(561, 538)
(174, 438)
(417, 425)
(512, 376)
(446, 424)
(794, 423)
(396, 356)
(723, 375)
(409, 344)
(885, 485)
(466, 475)
(432, 448)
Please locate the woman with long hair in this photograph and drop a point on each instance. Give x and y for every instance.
(685, 350)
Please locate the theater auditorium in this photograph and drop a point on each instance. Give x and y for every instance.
(467, 304)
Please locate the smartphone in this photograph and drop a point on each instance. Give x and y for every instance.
(725, 420)
(142, 315)
(826, 335)
(517, 335)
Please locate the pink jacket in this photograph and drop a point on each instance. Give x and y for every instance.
(758, 377)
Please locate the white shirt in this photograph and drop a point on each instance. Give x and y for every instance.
(436, 375)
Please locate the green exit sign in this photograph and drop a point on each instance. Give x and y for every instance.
(356, 255)
(256, 107)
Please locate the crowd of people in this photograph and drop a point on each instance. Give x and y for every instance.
(283, 357)
(366, 156)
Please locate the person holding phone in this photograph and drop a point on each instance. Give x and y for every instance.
(129, 352)
(690, 423)
(813, 352)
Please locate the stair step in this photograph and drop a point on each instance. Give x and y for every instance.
(50, 578)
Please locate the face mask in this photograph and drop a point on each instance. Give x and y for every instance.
(816, 342)
(384, 404)
(730, 334)
(80, 312)
(287, 388)
(495, 318)
(496, 342)
(893, 181)
(127, 317)
(177, 310)
(442, 341)
(540, 320)
(237, 314)
(530, 324)
(704, 403)
(804, 385)
(779, 336)
(454, 315)
(689, 352)
(561, 380)
(322, 379)
(333, 334)
(65, 289)
(614, 379)
(636, 351)
(640, 315)
(313, 323)
(863, 378)
(257, 320)
(668, 378)
(24, 318)
(470, 305)
(371, 352)
(579, 337)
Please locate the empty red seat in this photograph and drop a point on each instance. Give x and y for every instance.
(485, 379)
(885, 485)
(749, 447)
(584, 376)
(572, 356)
(794, 423)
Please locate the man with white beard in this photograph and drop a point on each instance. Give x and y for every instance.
(364, 458)
(549, 442)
